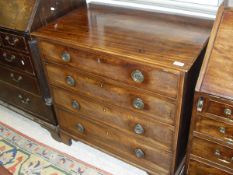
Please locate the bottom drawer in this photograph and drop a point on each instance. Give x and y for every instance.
(197, 168)
(115, 142)
(27, 102)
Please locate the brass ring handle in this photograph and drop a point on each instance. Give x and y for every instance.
(137, 76)
(80, 128)
(13, 42)
(138, 104)
(11, 59)
(139, 153)
(75, 105)
(65, 56)
(138, 129)
(221, 158)
(17, 80)
(227, 137)
(24, 100)
(70, 81)
(228, 112)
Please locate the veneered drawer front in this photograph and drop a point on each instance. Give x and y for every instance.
(27, 102)
(220, 109)
(100, 89)
(141, 76)
(215, 129)
(14, 42)
(142, 127)
(20, 80)
(196, 168)
(16, 60)
(213, 152)
(114, 141)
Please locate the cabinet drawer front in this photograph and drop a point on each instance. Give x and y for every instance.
(215, 129)
(113, 140)
(196, 168)
(32, 104)
(142, 127)
(214, 152)
(16, 60)
(20, 80)
(14, 42)
(141, 76)
(105, 91)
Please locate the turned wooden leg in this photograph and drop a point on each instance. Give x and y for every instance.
(65, 138)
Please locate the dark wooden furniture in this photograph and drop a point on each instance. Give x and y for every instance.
(122, 81)
(211, 136)
(22, 81)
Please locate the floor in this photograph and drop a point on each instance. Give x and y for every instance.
(78, 149)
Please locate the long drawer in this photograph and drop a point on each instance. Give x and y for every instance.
(142, 127)
(27, 102)
(16, 60)
(14, 42)
(115, 142)
(214, 152)
(20, 80)
(221, 131)
(197, 168)
(137, 75)
(101, 89)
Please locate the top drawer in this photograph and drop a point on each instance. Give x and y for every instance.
(14, 42)
(141, 76)
(212, 106)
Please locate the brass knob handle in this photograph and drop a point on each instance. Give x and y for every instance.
(222, 130)
(138, 129)
(24, 100)
(65, 56)
(200, 104)
(70, 81)
(80, 128)
(138, 104)
(227, 112)
(137, 76)
(17, 80)
(75, 105)
(139, 153)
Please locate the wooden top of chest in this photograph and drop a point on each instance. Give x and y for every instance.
(161, 39)
(217, 71)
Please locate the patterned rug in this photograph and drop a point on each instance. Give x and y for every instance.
(22, 155)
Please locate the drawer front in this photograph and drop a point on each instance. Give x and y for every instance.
(103, 90)
(215, 129)
(222, 110)
(114, 141)
(142, 127)
(14, 42)
(20, 80)
(196, 168)
(141, 76)
(213, 152)
(16, 60)
(32, 104)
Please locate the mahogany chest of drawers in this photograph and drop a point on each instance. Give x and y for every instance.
(211, 137)
(122, 81)
(22, 80)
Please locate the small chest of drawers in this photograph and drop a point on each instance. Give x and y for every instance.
(123, 88)
(211, 136)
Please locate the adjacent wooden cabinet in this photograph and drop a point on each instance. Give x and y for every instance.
(123, 81)
(211, 136)
(22, 80)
